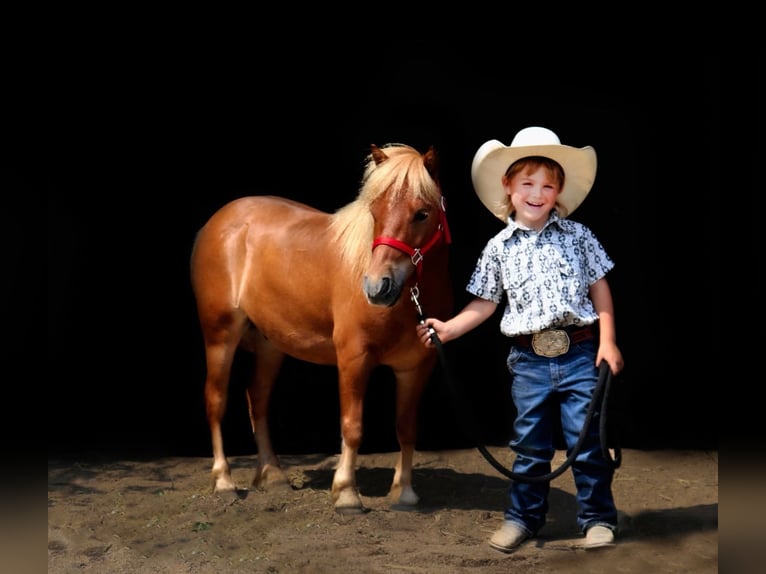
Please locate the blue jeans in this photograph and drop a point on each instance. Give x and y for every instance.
(544, 388)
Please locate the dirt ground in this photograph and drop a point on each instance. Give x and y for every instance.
(160, 516)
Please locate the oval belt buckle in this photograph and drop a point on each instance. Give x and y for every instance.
(550, 343)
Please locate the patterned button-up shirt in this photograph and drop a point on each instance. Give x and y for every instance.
(545, 275)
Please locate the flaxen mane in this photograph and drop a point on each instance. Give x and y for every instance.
(352, 225)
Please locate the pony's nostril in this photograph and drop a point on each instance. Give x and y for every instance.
(376, 289)
(384, 291)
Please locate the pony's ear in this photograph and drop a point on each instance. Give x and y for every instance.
(377, 154)
(431, 161)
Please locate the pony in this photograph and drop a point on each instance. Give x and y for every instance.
(276, 277)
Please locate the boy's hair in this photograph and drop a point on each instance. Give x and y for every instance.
(532, 163)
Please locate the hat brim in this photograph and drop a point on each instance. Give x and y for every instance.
(493, 158)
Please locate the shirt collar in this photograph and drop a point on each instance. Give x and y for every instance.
(512, 227)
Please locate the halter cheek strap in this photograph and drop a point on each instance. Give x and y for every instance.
(416, 254)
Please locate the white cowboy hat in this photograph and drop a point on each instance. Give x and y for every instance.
(493, 158)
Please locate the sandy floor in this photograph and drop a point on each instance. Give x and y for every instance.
(128, 516)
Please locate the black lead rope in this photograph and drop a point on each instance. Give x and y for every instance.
(601, 394)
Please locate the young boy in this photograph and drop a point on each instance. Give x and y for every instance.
(559, 318)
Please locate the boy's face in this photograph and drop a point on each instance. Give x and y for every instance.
(533, 193)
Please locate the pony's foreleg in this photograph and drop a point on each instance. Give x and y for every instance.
(402, 493)
(409, 388)
(268, 361)
(345, 495)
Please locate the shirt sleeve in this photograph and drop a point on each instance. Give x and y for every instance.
(598, 263)
(486, 281)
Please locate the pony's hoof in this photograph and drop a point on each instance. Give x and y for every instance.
(274, 486)
(350, 510)
(348, 502)
(271, 478)
(403, 498)
(223, 484)
(230, 496)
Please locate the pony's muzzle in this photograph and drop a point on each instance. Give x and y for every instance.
(384, 291)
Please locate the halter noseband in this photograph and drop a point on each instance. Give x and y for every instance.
(416, 254)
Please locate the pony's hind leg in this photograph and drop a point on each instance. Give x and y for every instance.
(267, 363)
(219, 357)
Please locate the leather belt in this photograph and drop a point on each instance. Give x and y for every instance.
(575, 334)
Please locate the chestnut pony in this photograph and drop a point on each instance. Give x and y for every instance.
(276, 277)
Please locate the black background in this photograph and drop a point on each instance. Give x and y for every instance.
(149, 135)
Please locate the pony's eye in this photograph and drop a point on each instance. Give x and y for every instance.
(421, 215)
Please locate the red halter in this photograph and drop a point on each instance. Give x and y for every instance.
(416, 254)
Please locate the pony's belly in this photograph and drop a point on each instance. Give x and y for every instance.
(302, 345)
